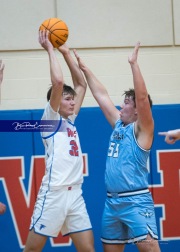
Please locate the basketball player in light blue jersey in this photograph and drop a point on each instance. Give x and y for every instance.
(129, 215)
(60, 205)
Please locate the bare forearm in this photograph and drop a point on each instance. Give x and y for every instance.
(55, 69)
(77, 76)
(1, 71)
(97, 89)
(139, 84)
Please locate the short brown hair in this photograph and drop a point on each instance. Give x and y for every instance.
(131, 92)
(66, 90)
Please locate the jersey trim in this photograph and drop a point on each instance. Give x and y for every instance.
(147, 150)
(54, 131)
(125, 194)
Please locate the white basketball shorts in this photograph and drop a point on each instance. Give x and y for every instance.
(60, 210)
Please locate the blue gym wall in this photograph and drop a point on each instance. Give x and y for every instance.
(94, 133)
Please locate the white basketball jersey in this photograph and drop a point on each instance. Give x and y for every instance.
(63, 155)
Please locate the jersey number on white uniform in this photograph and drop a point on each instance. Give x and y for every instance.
(74, 148)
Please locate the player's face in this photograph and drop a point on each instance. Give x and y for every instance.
(67, 105)
(128, 111)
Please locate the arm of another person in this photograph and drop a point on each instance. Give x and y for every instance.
(79, 82)
(144, 126)
(1, 75)
(171, 136)
(100, 93)
(2, 208)
(1, 71)
(55, 71)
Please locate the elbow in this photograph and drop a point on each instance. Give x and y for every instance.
(58, 82)
(85, 87)
(98, 94)
(82, 85)
(144, 99)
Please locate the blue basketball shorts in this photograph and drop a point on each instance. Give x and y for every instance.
(128, 219)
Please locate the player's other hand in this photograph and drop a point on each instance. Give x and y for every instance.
(81, 64)
(64, 49)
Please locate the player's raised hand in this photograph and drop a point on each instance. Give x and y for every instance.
(133, 58)
(81, 64)
(44, 40)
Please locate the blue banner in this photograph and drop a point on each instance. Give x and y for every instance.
(29, 125)
(22, 167)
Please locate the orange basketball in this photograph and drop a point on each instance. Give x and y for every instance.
(58, 31)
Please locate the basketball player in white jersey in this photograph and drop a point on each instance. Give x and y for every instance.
(60, 205)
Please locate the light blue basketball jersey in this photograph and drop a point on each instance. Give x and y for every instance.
(126, 164)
